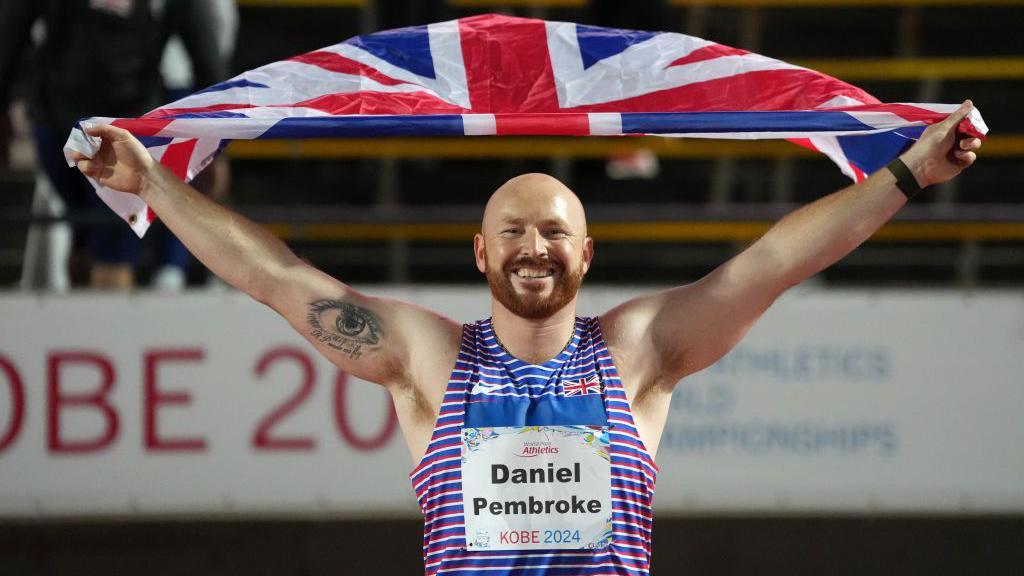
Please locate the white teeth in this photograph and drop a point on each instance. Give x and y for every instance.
(526, 273)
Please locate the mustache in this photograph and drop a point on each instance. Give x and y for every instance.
(530, 262)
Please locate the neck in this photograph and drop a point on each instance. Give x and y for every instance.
(533, 341)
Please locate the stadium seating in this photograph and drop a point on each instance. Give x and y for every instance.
(361, 208)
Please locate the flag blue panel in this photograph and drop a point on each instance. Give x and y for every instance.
(215, 114)
(228, 85)
(599, 43)
(873, 151)
(407, 48)
(356, 126)
(751, 122)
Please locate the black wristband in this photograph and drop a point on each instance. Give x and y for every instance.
(905, 180)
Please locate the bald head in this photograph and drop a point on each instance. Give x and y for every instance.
(536, 197)
(533, 246)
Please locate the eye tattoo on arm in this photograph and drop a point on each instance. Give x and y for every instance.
(345, 327)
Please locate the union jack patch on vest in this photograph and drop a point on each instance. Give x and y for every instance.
(582, 387)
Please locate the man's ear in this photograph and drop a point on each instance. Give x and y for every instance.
(588, 253)
(480, 253)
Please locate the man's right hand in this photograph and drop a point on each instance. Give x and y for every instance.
(122, 162)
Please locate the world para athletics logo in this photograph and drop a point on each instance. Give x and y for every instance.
(532, 449)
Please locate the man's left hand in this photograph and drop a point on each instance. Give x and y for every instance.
(941, 153)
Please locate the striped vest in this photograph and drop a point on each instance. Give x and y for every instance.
(490, 387)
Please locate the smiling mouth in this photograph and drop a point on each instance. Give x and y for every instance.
(533, 273)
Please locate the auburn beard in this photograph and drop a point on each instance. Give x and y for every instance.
(531, 305)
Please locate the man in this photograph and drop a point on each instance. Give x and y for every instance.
(590, 396)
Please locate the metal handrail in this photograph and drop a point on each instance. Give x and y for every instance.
(620, 223)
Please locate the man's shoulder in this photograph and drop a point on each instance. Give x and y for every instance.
(629, 318)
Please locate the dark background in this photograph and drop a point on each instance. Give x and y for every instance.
(694, 546)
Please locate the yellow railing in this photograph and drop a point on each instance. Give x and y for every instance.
(682, 231)
(997, 68)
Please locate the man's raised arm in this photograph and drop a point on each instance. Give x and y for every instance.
(371, 338)
(686, 329)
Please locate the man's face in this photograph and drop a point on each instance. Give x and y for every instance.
(533, 247)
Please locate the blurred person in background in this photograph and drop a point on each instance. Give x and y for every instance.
(176, 69)
(534, 363)
(98, 57)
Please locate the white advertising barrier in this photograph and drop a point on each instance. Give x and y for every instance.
(210, 404)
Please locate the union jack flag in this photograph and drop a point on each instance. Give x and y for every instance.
(501, 75)
(582, 387)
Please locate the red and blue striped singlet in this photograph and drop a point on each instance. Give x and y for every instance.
(490, 387)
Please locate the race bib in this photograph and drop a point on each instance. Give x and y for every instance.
(536, 487)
